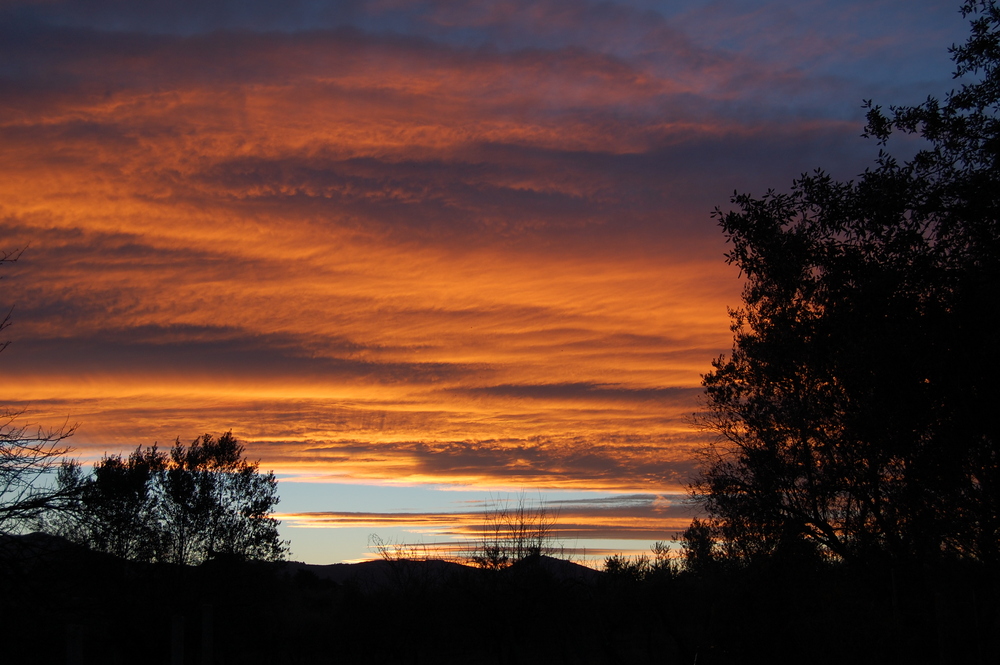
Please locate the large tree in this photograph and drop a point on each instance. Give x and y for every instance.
(116, 509)
(855, 411)
(216, 502)
(195, 503)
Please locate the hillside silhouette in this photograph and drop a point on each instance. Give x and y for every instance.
(851, 497)
(79, 606)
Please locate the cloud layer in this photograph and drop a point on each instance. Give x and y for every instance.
(564, 525)
(425, 242)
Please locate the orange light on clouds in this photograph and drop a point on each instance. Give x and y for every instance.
(339, 266)
(392, 259)
(582, 528)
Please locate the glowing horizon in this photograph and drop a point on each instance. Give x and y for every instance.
(415, 244)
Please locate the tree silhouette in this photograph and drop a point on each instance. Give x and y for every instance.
(198, 502)
(26, 457)
(117, 507)
(216, 502)
(855, 410)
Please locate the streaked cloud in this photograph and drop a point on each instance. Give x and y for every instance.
(622, 517)
(409, 242)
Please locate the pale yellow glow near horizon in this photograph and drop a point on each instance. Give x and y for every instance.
(399, 267)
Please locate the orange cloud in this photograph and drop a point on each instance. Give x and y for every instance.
(372, 257)
(622, 517)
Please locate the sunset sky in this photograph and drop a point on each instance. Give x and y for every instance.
(419, 256)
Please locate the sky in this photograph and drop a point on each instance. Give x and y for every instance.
(423, 257)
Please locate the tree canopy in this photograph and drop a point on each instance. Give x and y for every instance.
(186, 506)
(855, 409)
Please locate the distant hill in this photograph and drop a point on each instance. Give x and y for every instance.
(381, 573)
(71, 605)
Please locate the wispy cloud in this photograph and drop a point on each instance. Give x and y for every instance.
(401, 241)
(623, 517)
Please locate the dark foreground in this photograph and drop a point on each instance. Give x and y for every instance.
(67, 605)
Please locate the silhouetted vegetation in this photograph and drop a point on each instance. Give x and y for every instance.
(853, 494)
(852, 499)
(97, 608)
(855, 411)
(195, 503)
(513, 531)
(26, 456)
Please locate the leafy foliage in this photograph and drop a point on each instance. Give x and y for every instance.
(643, 568)
(116, 508)
(854, 409)
(197, 502)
